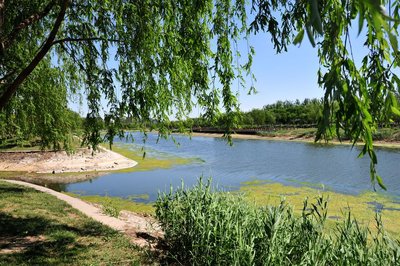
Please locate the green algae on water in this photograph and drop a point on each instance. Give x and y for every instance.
(150, 160)
(363, 207)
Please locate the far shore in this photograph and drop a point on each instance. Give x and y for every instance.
(382, 144)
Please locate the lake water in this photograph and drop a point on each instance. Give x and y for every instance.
(290, 163)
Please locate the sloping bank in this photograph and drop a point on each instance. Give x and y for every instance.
(134, 225)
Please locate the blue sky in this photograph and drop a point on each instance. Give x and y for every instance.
(290, 75)
(287, 76)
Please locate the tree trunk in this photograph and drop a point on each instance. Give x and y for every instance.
(1, 27)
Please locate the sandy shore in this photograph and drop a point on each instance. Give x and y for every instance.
(60, 162)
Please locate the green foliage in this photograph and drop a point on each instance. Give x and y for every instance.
(307, 112)
(39, 110)
(151, 60)
(358, 95)
(158, 52)
(203, 227)
(117, 204)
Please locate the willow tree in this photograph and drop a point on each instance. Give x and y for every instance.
(359, 95)
(151, 59)
(160, 55)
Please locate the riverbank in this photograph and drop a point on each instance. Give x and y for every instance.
(38, 229)
(308, 138)
(124, 221)
(55, 162)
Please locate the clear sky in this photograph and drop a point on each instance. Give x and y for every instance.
(290, 75)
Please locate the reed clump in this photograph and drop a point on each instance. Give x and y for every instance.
(206, 227)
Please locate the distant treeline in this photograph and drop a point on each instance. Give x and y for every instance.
(304, 113)
(285, 112)
(307, 112)
(53, 131)
(16, 128)
(282, 114)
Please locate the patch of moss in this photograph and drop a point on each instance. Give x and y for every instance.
(363, 207)
(140, 196)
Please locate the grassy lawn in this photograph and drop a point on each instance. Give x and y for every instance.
(38, 229)
(32, 144)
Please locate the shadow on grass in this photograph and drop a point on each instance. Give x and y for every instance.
(38, 241)
(11, 190)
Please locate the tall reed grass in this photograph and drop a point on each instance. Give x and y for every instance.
(206, 227)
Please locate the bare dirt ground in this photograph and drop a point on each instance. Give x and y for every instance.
(60, 162)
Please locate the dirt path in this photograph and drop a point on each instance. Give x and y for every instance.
(142, 230)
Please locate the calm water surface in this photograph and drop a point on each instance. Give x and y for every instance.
(290, 163)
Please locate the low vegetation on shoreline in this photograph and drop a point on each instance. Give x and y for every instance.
(388, 135)
(113, 205)
(203, 227)
(363, 207)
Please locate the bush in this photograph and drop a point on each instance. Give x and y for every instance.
(205, 227)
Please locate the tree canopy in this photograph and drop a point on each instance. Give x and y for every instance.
(150, 59)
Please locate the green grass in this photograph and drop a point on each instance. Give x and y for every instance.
(42, 230)
(32, 144)
(382, 134)
(118, 204)
(391, 134)
(292, 132)
(203, 227)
